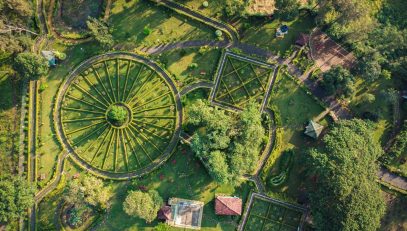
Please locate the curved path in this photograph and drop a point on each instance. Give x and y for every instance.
(184, 10)
(195, 86)
(105, 174)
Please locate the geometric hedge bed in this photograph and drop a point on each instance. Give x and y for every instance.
(241, 79)
(267, 214)
(119, 114)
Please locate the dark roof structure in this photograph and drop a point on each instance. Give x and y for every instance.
(164, 213)
(302, 40)
(225, 205)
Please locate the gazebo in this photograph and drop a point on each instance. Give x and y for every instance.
(313, 129)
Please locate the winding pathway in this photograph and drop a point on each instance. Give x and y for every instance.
(194, 86)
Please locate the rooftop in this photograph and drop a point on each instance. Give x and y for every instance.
(185, 213)
(225, 205)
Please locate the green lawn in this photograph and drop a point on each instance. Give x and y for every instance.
(296, 108)
(178, 63)
(263, 34)
(165, 25)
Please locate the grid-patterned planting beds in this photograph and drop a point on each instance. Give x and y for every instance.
(267, 214)
(240, 79)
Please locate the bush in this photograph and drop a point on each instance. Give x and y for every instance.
(205, 4)
(218, 33)
(147, 31)
(193, 66)
(43, 86)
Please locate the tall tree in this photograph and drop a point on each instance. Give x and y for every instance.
(30, 65)
(338, 82)
(143, 204)
(345, 195)
(100, 32)
(287, 10)
(16, 196)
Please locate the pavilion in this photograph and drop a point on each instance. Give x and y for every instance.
(313, 129)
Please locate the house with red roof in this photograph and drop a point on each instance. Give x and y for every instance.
(227, 205)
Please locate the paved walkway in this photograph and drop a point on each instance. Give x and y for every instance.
(195, 86)
(392, 179)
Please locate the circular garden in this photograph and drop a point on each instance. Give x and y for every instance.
(119, 114)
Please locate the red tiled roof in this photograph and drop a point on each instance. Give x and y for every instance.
(228, 205)
(164, 213)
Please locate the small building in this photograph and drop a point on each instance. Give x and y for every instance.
(313, 129)
(164, 213)
(185, 213)
(281, 31)
(226, 205)
(50, 57)
(302, 40)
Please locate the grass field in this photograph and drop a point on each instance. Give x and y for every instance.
(180, 64)
(10, 95)
(295, 108)
(263, 34)
(159, 25)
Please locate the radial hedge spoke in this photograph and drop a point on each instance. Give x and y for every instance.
(85, 102)
(123, 117)
(92, 85)
(101, 83)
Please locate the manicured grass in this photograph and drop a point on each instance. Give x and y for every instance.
(132, 19)
(10, 95)
(295, 108)
(242, 81)
(263, 34)
(214, 9)
(178, 63)
(266, 215)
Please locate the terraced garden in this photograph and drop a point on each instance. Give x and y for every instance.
(119, 114)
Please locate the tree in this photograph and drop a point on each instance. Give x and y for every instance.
(16, 196)
(117, 115)
(88, 191)
(30, 65)
(229, 145)
(234, 7)
(338, 82)
(351, 20)
(100, 32)
(345, 195)
(143, 204)
(287, 10)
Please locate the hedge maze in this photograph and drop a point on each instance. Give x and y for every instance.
(119, 115)
(266, 214)
(240, 79)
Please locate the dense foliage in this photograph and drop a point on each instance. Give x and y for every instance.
(14, 13)
(100, 32)
(229, 145)
(30, 65)
(16, 196)
(143, 204)
(287, 9)
(117, 115)
(90, 191)
(345, 195)
(338, 81)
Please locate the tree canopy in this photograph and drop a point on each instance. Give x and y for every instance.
(143, 204)
(87, 191)
(287, 10)
(16, 196)
(100, 32)
(30, 65)
(229, 146)
(345, 195)
(338, 81)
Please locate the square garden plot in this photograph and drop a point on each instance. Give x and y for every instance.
(241, 79)
(267, 214)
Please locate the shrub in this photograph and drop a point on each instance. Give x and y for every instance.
(147, 31)
(218, 33)
(205, 4)
(43, 86)
(193, 65)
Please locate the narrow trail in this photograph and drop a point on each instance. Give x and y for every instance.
(194, 86)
